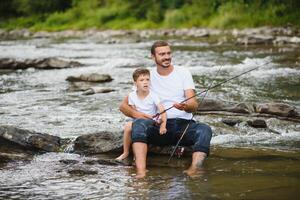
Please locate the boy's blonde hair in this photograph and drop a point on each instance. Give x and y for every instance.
(138, 72)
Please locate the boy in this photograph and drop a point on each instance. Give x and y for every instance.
(145, 101)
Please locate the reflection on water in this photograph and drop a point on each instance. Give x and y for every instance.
(228, 174)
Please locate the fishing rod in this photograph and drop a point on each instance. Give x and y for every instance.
(183, 133)
(204, 91)
(209, 88)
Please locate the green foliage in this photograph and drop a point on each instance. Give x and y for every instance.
(141, 14)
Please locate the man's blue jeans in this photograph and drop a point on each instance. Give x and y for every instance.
(198, 135)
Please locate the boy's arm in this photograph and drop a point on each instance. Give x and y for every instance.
(163, 115)
(127, 110)
(163, 124)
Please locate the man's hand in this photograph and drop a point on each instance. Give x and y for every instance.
(180, 106)
(190, 105)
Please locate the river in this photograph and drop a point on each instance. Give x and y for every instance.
(245, 163)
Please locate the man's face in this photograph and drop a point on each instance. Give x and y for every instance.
(142, 83)
(163, 56)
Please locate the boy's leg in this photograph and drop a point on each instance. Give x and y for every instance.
(139, 146)
(140, 152)
(126, 141)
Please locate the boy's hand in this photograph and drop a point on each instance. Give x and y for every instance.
(162, 130)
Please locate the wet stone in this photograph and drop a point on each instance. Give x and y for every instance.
(68, 161)
(231, 122)
(257, 123)
(82, 172)
(91, 77)
(95, 90)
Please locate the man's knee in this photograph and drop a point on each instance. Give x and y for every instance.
(205, 130)
(203, 137)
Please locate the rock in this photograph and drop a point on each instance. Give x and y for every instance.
(80, 86)
(95, 90)
(5, 157)
(257, 123)
(212, 105)
(104, 142)
(279, 109)
(242, 108)
(92, 77)
(99, 142)
(42, 63)
(231, 122)
(103, 162)
(68, 161)
(82, 172)
(255, 39)
(30, 139)
(284, 40)
(167, 150)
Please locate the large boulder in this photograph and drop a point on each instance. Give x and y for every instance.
(279, 109)
(41, 63)
(91, 77)
(101, 142)
(30, 139)
(245, 108)
(212, 105)
(104, 142)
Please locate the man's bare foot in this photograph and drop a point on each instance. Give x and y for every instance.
(193, 172)
(122, 157)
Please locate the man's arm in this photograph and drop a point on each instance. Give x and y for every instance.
(189, 106)
(127, 110)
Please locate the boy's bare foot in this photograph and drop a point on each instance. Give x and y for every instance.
(141, 174)
(122, 157)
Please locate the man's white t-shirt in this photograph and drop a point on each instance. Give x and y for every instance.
(170, 89)
(148, 105)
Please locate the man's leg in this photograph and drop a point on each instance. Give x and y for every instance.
(197, 163)
(199, 135)
(140, 152)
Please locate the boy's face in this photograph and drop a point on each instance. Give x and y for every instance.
(142, 83)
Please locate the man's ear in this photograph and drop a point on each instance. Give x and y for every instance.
(152, 57)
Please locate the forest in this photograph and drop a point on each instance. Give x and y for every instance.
(58, 15)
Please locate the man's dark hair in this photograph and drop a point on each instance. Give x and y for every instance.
(158, 44)
(140, 71)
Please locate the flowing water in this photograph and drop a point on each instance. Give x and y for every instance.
(245, 163)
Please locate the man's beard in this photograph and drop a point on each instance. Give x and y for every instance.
(164, 66)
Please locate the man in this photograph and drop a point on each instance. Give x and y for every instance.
(172, 85)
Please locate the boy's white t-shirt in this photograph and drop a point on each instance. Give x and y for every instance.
(170, 89)
(148, 105)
